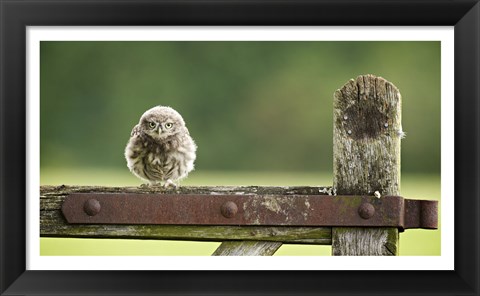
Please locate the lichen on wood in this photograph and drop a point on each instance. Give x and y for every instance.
(53, 224)
(366, 137)
(366, 140)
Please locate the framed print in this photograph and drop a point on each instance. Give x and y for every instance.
(294, 75)
(76, 76)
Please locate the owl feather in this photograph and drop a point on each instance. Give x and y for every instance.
(160, 149)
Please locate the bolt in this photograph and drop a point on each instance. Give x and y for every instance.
(366, 210)
(229, 209)
(92, 207)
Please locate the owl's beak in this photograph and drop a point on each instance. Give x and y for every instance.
(159, 130)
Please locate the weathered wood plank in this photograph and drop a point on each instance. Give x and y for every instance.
(365, 241)
(247, 248)
(48, 190)
(53, 224)
(366, 140)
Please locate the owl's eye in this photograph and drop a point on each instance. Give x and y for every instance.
(152, 124)
(168, 125)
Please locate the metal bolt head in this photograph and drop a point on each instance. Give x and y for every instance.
(229, 209)
(92, 207)
(366, 210)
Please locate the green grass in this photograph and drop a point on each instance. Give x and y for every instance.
(412, 242)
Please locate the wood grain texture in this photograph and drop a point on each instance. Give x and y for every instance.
(365, 241)
(53, 224)
(247, 248)
(48, 190)
(366, 140)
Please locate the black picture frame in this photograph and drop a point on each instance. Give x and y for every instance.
(16, 15)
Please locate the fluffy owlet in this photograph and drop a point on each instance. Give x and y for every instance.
(160, 149)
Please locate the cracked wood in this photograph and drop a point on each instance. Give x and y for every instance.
(366, 141)
(53, 223)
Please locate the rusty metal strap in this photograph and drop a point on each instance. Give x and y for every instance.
(267, 210)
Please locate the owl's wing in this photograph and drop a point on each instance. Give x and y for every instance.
(135, 131)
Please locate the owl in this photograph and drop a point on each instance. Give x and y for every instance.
(160, 149)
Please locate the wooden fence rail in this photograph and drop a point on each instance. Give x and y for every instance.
(54, 224)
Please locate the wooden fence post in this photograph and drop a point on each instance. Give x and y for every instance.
(366, 157)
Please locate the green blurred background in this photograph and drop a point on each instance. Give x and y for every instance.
(260, 113)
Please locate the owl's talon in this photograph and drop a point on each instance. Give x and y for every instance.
(144, 186)
(169, 183)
